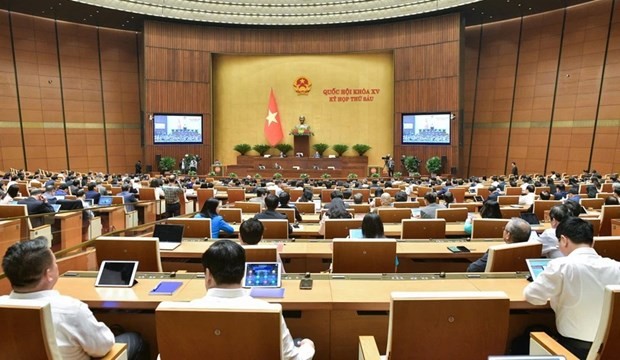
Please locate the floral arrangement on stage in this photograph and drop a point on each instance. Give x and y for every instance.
(301, 130)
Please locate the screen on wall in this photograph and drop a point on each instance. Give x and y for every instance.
(177, 129)
(426, 128)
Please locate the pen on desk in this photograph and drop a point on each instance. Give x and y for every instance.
(71, 274)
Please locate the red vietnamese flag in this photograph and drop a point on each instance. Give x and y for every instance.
(273, 126)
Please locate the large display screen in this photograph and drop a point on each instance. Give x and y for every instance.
(426, 128)
(177, 129)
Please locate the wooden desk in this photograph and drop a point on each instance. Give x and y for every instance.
(304, 256)
(9, 234)
(333, 314)
(146, 212)
(112, 218)
(70, 228)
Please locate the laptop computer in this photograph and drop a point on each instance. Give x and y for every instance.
(262, 274)
(478, 198)
(536, 266)
(90, 202)
(170, 236)
(105, 201)
(356, 234)
(531, 218)
(114, 273)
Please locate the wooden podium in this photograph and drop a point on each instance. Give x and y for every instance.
(302, 144)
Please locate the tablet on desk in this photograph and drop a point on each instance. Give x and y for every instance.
(114, 273)
(536, 266)
(262, 274)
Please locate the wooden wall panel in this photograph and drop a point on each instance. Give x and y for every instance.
(61, 104)
(579, 80)
(533, 100)
(606, 153)
(11, 147)
(426, 56)
(561, 98)
(496, 78)
(470, 59)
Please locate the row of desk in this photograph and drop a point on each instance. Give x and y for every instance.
(337, 310)
(315, 256)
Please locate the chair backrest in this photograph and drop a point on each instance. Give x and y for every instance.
(488, 228)
(592, 203)
(583, 188)
(295, 194)
(28, 331)
(423, 229)
(261, 253)
(596, 224)
(471, 207)
(231, 215)
(130, 248)
(540, 189)
(608, 212)
(541, 205)
(305, 207)
(248, 207)
(510, 212)
(364, 256)
(604, 195)
(392, 215)
(275, 228)
(513, 190)
(326, 196)
(8, 211)
(508, 199)
(360, 208)
(23, 189)
(422, 323)
(422, 190)
(203, 195)
(483, 191)
(290, 214)
(235, 195)
(607, 187)
(605, 345)
(406, 205)
(511, 257)
(115, 190)
(194, 227)
(339, 228)
(147, 193)
(365, 194)
(188, 331)
(459, 194)
(608, 246)
(452, 215)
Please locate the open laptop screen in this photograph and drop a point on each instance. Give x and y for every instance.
(168, 232)
(262, 274)
(117, 273)
(105, 201)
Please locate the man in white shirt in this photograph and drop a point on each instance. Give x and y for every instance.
(575, 285)
(224, 264)
(32, 271)
(528, 197)
(550, 243)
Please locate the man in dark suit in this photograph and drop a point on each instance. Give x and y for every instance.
(272, 202)
(128, 197)
(37, 204)
(515, 170)
(92, 193)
